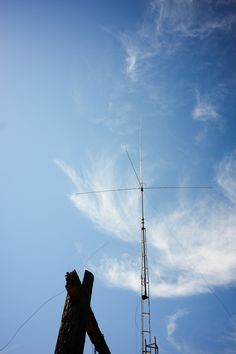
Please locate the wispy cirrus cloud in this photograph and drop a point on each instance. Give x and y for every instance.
(191, 19)
(124, 265)
(232, 334)
(131, 61)
(226, 176)
(204, 110)
(169, 24)
(192, 248)
(106, 210)
(180, 344)
(172, 327)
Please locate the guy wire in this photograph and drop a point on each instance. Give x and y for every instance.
(46, 302)
(29, 318)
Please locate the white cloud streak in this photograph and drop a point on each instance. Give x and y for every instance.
(204, 110)
(131, 61)
(167, 26)
(126, 267)
(192, 248)
(189, 18)
(172, 327)
(108, 211)
(227, 176)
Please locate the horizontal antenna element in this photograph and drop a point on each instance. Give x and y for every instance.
(144, 188)
(107, 190)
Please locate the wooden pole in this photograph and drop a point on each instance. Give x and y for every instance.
(71, 337)
(84, 305)
(70, 320)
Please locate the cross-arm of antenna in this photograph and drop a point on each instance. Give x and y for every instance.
(179, 187)
(107, 191)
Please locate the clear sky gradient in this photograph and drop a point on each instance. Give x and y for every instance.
(76, 80)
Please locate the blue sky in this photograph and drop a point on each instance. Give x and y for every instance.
(76, 80)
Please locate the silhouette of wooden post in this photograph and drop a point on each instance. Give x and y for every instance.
(77, 318)
(72, 333)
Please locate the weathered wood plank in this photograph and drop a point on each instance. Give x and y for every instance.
(70, 320)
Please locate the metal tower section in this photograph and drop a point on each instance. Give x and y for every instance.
(148, 346)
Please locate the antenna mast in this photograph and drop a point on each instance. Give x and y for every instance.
(148, 346)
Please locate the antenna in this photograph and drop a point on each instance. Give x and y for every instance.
(148, 345)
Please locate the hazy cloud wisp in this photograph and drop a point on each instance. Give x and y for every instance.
(204, 110)
(172, 327)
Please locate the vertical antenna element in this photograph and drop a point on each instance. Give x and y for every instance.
(141, 151)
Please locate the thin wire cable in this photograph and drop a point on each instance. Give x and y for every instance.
(46, 302)
(133, 168)
(92, 255)
(29, 318)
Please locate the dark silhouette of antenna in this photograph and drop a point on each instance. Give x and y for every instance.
(148, 344)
